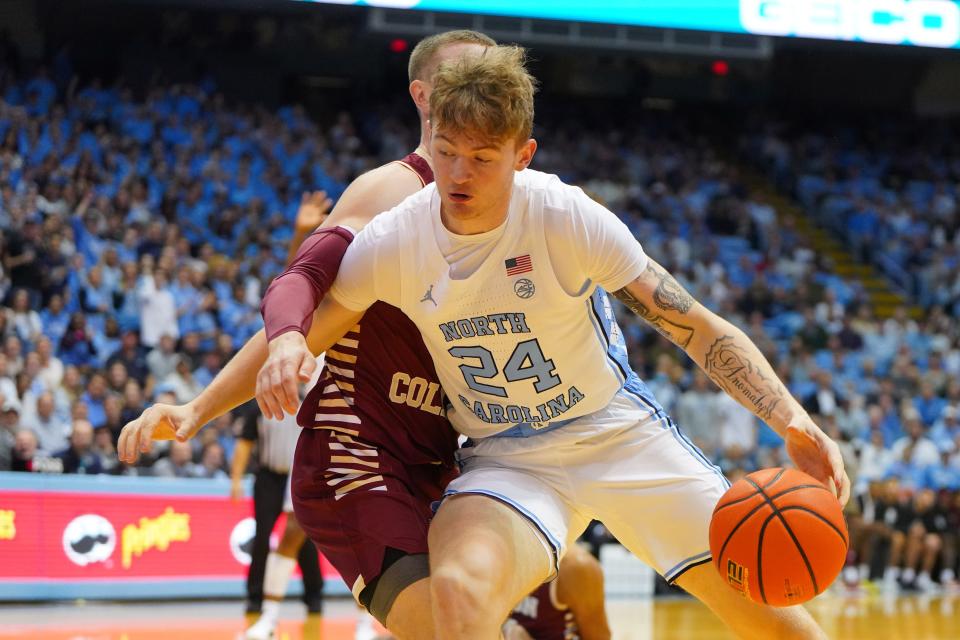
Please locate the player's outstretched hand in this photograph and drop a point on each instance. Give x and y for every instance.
(159, 422)
(314, 207)
(289, 363)
(816, 454)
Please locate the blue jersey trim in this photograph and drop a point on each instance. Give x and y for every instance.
(638, 392)
(617, 347)
(678, 568)
(604, 342)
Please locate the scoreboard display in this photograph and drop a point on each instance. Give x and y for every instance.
(923, 23)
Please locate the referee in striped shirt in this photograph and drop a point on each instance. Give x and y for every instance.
(277, 442)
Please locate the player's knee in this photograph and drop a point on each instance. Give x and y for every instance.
(451, 590)
(292, 539)
(467, 587)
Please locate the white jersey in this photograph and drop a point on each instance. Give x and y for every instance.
(516, 347)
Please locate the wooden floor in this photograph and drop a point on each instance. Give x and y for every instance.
(865, 617)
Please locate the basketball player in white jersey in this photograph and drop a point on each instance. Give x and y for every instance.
(529, 354)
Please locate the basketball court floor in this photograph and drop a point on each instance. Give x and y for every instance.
(844, 618)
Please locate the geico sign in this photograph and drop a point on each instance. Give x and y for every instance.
(928, 23)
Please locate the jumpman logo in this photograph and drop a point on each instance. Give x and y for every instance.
(429, 296)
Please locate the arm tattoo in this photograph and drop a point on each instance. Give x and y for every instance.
(677, 333)
(728, 366)
(669, 295)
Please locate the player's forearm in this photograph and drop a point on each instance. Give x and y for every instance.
(723, 351)
(331, 321)
(288, 305)
(236, 383)
(738, 367)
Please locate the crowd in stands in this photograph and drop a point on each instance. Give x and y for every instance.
(888, 186)
(139, 234)
(137, 239)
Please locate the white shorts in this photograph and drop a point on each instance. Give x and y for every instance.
(636, 473)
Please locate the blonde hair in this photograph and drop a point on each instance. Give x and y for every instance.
(422, 62)
(489, 95)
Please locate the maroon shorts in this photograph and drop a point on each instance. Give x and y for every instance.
(357, 501)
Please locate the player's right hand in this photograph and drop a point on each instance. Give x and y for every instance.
(159, 422)
(289, 363)
(313, 210)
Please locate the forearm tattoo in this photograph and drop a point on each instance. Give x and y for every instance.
(679, 334)
(728, 365)
(669, 295)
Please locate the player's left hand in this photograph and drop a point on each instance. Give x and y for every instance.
(313, 210)
(816, 454)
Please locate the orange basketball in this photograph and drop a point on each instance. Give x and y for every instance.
(778, 537)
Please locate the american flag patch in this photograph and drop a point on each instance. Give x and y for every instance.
(518, 265)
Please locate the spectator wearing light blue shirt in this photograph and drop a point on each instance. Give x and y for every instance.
(923, 451)
(96, 297)
(943, 475)
(947, 428)
(238, 318)
(76, 346)
(928, 404)
(186, 298)
(212, 363)
(94, 397)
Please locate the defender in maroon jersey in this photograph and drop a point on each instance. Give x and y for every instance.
(543, 617)
(569, 608)
(377, 449)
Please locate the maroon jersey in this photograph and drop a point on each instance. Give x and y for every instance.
(379, 385)
(544, 618)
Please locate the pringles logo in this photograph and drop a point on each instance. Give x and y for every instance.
(154, 533)
(88, 539)
(8, 525)
(241, 540)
